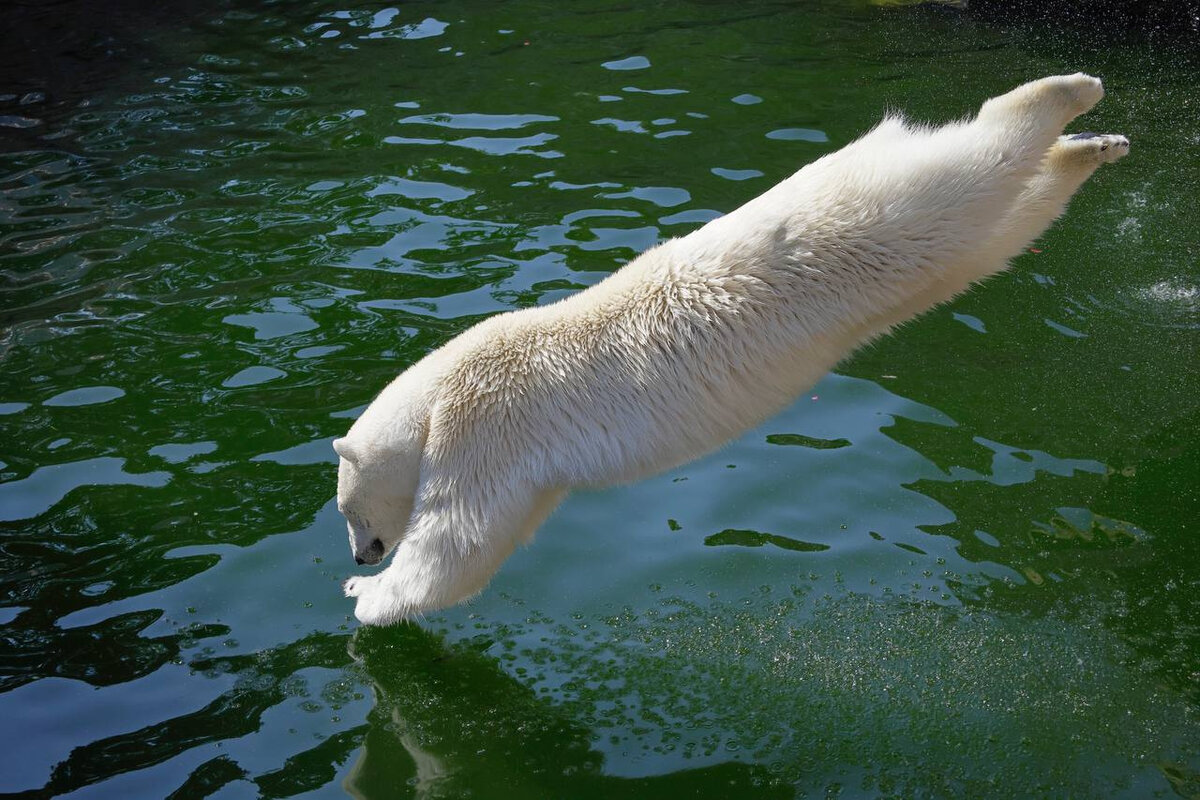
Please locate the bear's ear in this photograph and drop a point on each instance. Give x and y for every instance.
(345, 449)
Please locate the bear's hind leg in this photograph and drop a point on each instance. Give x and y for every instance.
(1069, 163)
(1016, 129)
(1043, 106)
(1066, 166)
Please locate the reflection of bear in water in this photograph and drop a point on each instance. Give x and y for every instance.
(466, 453)
(447, 719)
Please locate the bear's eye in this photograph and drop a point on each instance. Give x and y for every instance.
(355, 519)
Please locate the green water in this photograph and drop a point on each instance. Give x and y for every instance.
(965, 565)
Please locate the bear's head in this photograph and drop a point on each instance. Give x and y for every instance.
(373, 497)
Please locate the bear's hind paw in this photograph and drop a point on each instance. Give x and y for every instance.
(1083, 91)
(1094, 148)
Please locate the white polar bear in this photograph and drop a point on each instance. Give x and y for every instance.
(464, 455)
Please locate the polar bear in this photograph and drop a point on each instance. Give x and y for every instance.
(467, 452)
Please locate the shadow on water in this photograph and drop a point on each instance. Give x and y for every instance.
(60, 56)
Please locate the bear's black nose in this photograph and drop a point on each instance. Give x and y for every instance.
(359, 561)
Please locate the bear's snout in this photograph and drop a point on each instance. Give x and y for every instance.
(373, 553)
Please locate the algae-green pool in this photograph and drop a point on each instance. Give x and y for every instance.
(963, 565)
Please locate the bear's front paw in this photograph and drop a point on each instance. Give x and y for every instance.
(376, 603)
(355, 587)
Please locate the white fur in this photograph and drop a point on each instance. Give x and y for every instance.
(464, 455)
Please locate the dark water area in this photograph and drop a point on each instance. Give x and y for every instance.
(963, 565)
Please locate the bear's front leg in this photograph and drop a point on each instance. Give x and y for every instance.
(428, 572)
(452, 547)
(422, 576)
